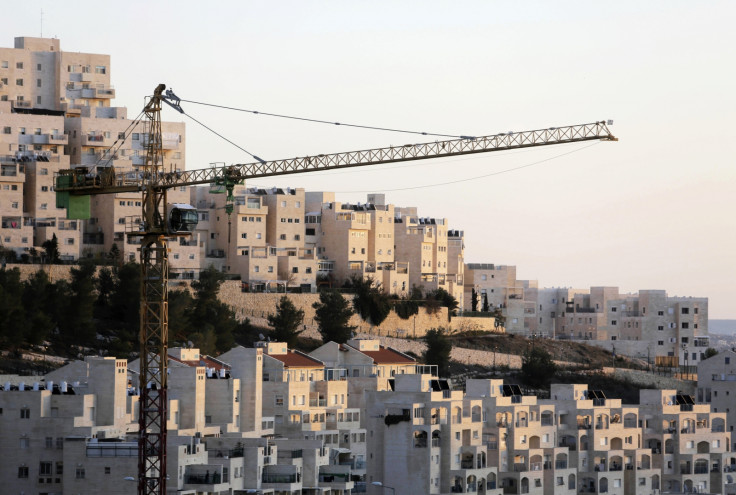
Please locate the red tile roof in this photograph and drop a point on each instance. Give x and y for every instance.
(297, 360)
(387, 355)
(205, 361)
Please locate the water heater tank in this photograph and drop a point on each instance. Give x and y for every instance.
(181, 217)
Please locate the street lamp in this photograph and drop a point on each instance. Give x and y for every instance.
(378, 483)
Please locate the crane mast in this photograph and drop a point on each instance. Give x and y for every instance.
(154, 182)
(154, 327)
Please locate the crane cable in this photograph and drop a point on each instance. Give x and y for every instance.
(111, 150)
(255, 157)
(318, 121)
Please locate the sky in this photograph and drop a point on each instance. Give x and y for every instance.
(654, 210)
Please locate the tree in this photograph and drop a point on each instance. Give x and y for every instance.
(37, 293)
(105, 287)
(51, 248)
(78, 327)
(499, 318)
(445, 299)
(114, 256)
(710, 352)
(486, 307)
(12, 314)
(286, 322)
(213, 320)
(370, 301)
(537, 368)
(438, 350)
(474, 300)
(126, 299)
(333, 313)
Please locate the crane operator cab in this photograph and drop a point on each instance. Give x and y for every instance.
(181, 218)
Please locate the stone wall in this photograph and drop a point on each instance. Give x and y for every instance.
(257, 307)
(55, 272)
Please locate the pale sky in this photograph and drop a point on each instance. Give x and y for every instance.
(652, 211)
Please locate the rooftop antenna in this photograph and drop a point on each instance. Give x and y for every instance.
(41, 23)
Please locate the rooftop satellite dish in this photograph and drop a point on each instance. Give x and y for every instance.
(610, 122)
(190, 344)
(261, 336)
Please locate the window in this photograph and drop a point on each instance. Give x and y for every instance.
(100, 69)
(19, 82)
(243, 236)
(282, 237)
(79, 474)
(295, 269)
(686, 311)
(283, 203)
(25, 413)
(44, 468)
(270, 269)
(308, 269)
(38, 83)
(107, 469)
(613, 322)
(19, 65)
(256, 269)
(23, 472)
(4, 64)
(258, 235)
(49, 442)
(297, 237)
(24, 443)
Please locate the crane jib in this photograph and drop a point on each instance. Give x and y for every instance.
(105, 181)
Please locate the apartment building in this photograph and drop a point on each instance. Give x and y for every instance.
(425, 438)
(688, 441)
(716, 381)
(56, 113)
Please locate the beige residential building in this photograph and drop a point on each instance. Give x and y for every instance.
(425, 438)
(56, 113)
(716, 381)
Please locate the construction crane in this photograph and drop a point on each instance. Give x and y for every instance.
(161, 221)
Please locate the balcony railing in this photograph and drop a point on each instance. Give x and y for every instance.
(203, 479)
(280, 478)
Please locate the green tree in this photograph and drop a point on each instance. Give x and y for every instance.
(12, 314)
(78, 327)
(486, 307)
(405, 308)
(333, 313)
(710, 352)
(37, 297)
(370, 301)
(105, 287)
(125, 300)
(51, 249)
(114, 256)
(445, 299)
(213, 320)
(286, 322)
(537, 368)
(474, 300)
(438, 350)
(180, 302)
(499, 318)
